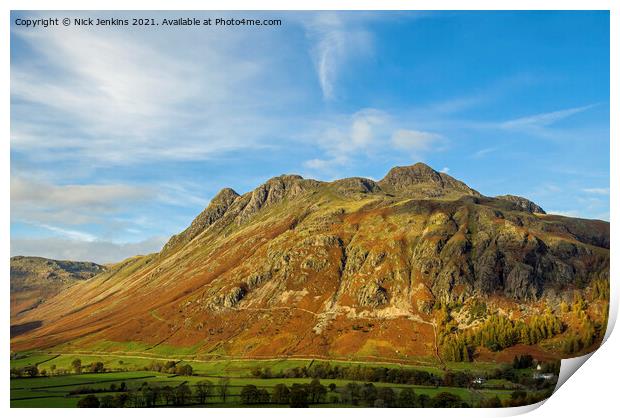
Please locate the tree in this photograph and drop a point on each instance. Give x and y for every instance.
(424, 401)
(387, 395)
(491, 403)
(52, 368)
(316, 391)
(204, 388)
(31, 371)
(184, 370)
(249, 395)
(518, 394)
(298, 396)
(223, 387)
(262, 396)
(134, 399)
(368, 394)
(107, 402)
(120, 400)
(522, 362)
(151, 395)
(406, 398)
(96, 367)
(89, 401)
(182, 394)
(280, 394)
(446, 400)
(167, 392)
(76, 364)
(351, 393)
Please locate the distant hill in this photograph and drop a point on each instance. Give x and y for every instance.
(392, 269)
(35, 279)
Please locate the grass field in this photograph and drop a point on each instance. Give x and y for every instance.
(229, 367)
(54, 391)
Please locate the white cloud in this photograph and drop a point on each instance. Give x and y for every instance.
(105, 97)
(70, 233)
(483, 152)
(414, 141)
(597, 190)
(322, 165)
(360, 132)
(335, 44)
(40, 202)
(79, 250)
(543, 119)
(86, 196)
(445, 170)
(367, 133)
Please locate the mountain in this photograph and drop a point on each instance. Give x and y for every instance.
(35, 279)
(353, 268)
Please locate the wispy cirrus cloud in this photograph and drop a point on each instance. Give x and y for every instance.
(597, 190)
(154, 122)
(335, 43)
(541, 120)
(484, 152)
(117, 98)
(70, 233)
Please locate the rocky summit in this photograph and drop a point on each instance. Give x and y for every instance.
(346, 269)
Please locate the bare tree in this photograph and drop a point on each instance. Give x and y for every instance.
(223, 388)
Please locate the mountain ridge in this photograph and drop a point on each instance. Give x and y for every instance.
(35, 279)
(299, 267)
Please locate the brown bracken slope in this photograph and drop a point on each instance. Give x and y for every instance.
(35, 279)
(345, 269)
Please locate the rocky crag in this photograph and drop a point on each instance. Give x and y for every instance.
(350, 268)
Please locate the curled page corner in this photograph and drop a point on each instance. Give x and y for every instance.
(613, 311)
(569, 367)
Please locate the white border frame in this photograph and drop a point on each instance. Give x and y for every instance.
(594, 388)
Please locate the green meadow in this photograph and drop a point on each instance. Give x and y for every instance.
(59, 390)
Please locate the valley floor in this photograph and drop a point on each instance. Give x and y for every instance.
(61, 390)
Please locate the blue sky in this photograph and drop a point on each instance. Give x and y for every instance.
(120, 136)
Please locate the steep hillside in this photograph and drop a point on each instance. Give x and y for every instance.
(35, 279)
(351, 269)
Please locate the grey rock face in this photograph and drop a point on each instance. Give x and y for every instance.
(355, 185)
(228, 299)
(520, 283)
(402, 179)
(275, 191)
(372, 295)
(522, 203)
(466, 244)
(216, 209)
